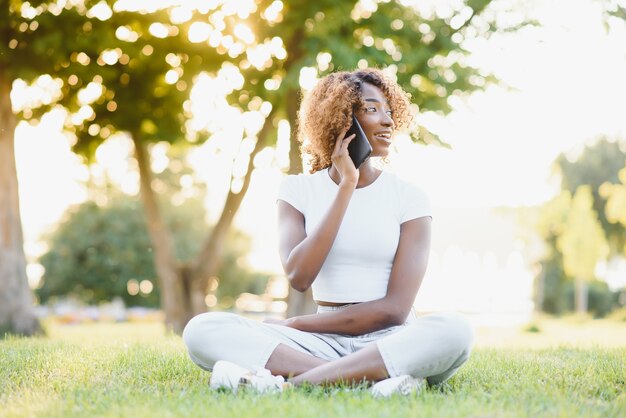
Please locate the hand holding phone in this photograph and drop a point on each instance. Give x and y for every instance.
(359, 148)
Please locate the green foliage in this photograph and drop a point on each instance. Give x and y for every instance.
(140, 66)
(553, 215)
(598, 164)
(558, 292)
(425, 51)
(576, 227)
(615, 195)
(582, 241)
(532, 328)
(555, 298)
(97, 249)
(120, 55)
(129, 60)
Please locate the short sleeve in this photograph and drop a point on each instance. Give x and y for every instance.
(415, 202)
(292, 192)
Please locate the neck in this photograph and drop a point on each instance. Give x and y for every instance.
(367, 174)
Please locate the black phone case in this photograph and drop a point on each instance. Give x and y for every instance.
(359, 148)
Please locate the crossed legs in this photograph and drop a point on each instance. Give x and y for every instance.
(434, 347)
(366, 364)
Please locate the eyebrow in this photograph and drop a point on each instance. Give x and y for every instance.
(376, 101)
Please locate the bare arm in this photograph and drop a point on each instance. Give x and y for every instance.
(406, 277)
(302, 256)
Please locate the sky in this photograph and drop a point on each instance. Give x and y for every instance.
(562, 87)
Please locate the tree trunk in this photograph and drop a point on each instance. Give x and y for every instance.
(581, 297)
(539, 291)
(16, 300)
(298, 303)
(207, 264)
(174, 300)
(184, 288)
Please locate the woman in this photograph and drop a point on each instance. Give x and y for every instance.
(360, 238)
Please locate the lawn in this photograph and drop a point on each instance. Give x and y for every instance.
(136, 370)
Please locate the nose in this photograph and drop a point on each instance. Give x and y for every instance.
(387, 120)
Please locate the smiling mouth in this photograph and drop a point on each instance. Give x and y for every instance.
(383, 137)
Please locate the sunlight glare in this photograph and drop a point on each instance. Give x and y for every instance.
(260, 56)
(160, 161)
(232, 77)
(252, 122)
(146, 287)
(264, 158)
(273, 83)
(323, 60)
(180, 14)
(111, 56)
(132, 287)
(215, 38)
(308, 78)
(243, 32)
(217, 20)
(90, 93)
(210, 300)
(124, 33)
(199, 32)
(44, 90)
(273, 13)
(171, 77)
(101, 11)
(363, 9)
(158, 30)
(28, 11)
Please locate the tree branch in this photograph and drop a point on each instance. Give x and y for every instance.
(207, 261)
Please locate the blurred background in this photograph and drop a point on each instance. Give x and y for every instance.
(147, 141)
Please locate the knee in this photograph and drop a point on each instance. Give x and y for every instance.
(458, 331)
(200, 329)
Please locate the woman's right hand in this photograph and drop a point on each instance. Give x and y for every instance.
(341, 159)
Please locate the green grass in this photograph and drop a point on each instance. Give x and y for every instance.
(135, 370)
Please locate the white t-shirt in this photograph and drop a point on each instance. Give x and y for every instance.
(358, 266)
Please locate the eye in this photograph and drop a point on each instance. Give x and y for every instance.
(389, 112)
(371, 109)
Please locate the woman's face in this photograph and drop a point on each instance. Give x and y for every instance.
(375, 119)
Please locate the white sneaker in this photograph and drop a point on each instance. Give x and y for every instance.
(403, 385)
(231, 376)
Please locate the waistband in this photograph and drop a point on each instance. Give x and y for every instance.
(410, 318)
(321, 308)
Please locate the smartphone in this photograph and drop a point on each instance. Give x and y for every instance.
(359, 148)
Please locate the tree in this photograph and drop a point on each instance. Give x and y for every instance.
(598, 164)
(596, 168)
(422, 49)
(19, 58)
(137, 67)
(16, 306)
(103, 251)
(615, 195)
(582, 243)
(113, 73)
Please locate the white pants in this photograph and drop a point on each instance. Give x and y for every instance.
(432, 346)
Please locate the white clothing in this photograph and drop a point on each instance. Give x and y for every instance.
(358, 266)
(357, 269)
(431, 347)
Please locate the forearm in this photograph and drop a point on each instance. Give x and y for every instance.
(356, 319)
(306, 259)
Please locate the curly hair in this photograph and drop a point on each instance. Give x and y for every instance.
(326, 110)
